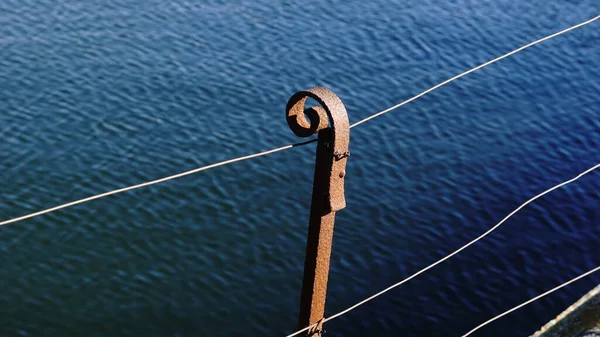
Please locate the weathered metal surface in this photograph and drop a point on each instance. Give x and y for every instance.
(334, 113)
(330, 121)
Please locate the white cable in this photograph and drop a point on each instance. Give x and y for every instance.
(153, 182)
(98, 196)
(532, 300)
(474, 69)
(453, 253)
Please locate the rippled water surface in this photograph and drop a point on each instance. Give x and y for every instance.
(97, 95)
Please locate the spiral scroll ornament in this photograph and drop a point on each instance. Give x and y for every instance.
(305, 123)
(331, 115)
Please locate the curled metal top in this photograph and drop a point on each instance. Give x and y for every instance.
(307, 122)
(332, 111)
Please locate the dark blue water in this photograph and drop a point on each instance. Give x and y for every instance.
(97, 95)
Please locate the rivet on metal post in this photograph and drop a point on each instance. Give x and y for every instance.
(330, 121)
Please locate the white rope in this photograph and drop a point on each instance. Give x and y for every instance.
(226, 162)
(453, 253)
(532, 300)
(474, 69)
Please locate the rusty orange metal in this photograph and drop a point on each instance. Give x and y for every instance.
(330, 121)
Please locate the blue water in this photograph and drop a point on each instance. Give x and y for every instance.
(97, 95)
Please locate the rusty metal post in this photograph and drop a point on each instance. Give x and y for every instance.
(330, 121)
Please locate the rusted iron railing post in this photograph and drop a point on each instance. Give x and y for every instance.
(330, 120)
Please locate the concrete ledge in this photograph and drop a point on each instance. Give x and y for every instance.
(581, 319)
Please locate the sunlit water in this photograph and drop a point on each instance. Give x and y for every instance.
(97, 95)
